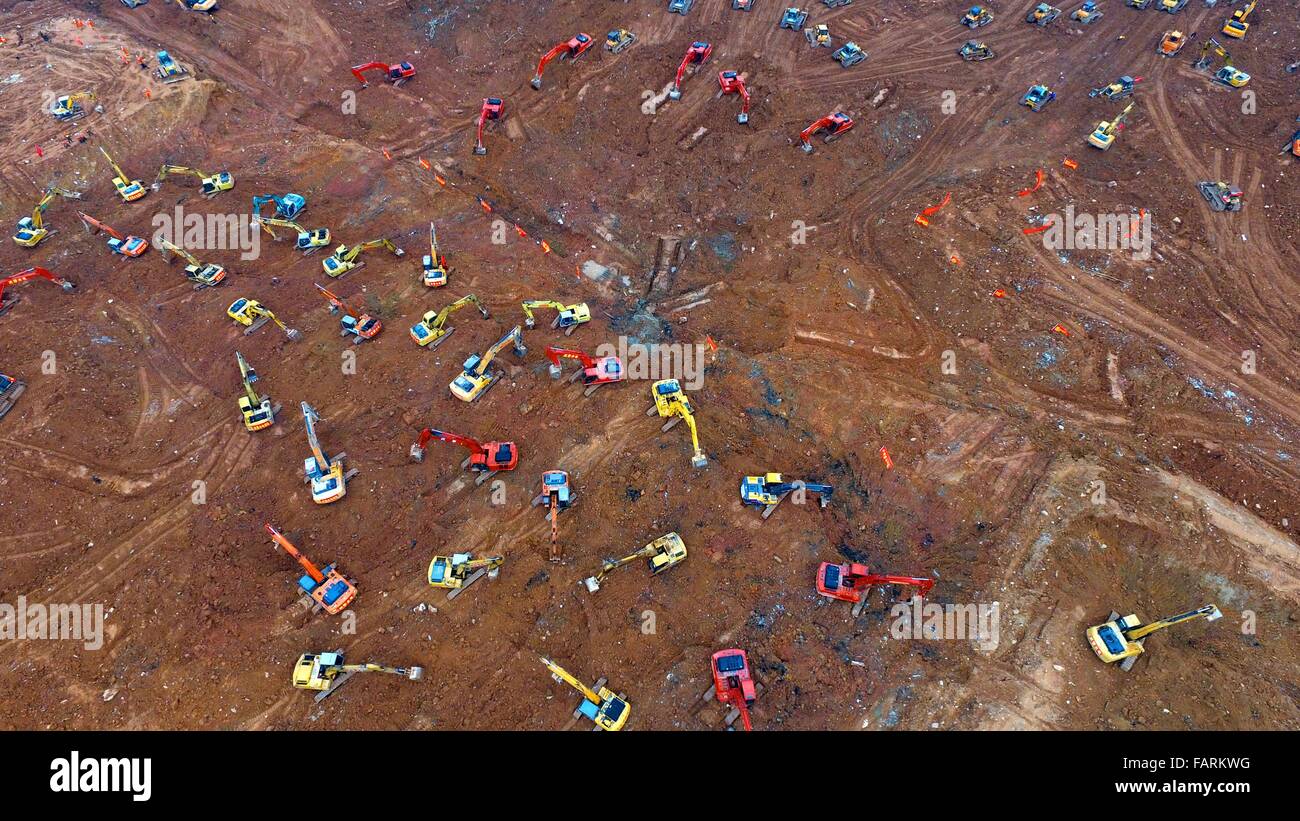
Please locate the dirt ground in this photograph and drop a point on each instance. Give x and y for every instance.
(1124, 461)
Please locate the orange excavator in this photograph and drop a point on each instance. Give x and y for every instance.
(697, 54)
(127, 246)
(571, 49)
(10, 300)
(732, 683)
(594, 372)
(852, 582)
(557, 495)
(733, 83)
(491, 110)
(396, 75)
(485, 458)
(834, 124)
(362, 328)
(328, 589)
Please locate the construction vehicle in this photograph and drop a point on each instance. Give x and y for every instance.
(1227, 75)
(31, 230)
(344, 259)
(852, 582)
(1172, 6)
(128, 246)
(732, 83)
(594, 372)
(257, 411)
(10, 390)
(793, 18)
(818, 36)
(830, 4)
(568, 317)
(199, 5)
(663, 553)
(202, 274)
(671, 403)
(326, 672)
(1117, 90)
(742, 5)
(973, 50)
(432, 330)
(1042, 14)
(253, 315)
(395, 74)
(361, 328)
(608, 711)
(325, 475)
(287, 206)
(1122, 640)
(1293, 144)
(210, 184)
(68, 107)
(849, 55)
(1037, 97)
(127, 188)
(433, 265)
(770, 489)
(833, 124)
(8, 301)
(1087, 14)
(491, 111)
(1236, 25)
(618, 39)
(976, 17)
(732, 683)
(1103, 136)
(477, 376)
(327, 589)
(485, 458)
(558, 496)
(1171, 43)
(697, 54)
(307, 241)
(1138, 4)
(170, 71)
(680, 6)
(459, 570)
(571, 49)
(1220, 195)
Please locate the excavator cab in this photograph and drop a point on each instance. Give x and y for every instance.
(973, 50)
(1231, 76)
(976, 17)
(1037, 97)
(733, 684)
(793, 18)
(10, 390)
(400, 72)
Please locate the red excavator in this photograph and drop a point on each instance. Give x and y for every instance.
(484, 458)
(491, 111)
(571, 49)
(361, 328)
(733, 83)
(594, 372)
(834, 124)
(696, 55)
(732, 683)
(26, 276)
(396, 75)
(852, 582)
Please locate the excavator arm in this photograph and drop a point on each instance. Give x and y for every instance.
(733, 83)
(469, 299)
(513, 338)
(287, 547)
(574, 48)
(27, 276)
(168, 249)
(428, 434)
(556, 354)
(491, 110)
(310, 418)
(1209, 612)
(248, 376)
(561, 675)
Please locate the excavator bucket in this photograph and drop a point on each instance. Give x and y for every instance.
(415, 673)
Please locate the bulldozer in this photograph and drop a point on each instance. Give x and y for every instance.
(1042, 15)
(1123, 639)
(974, 51)
(209, 184)
(431, 331)
(458, 571)
(10, 390)
(170, 71)
(1087, 14)
(1037, 97)
(1220, 195)
(327, 672)
(618, 40)
(344, 259)
(202, 274)
(662, 554)
(976, 17)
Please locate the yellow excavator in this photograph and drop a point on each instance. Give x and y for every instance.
(663, 553)
(252, 315)
(459, 570)
(257, 411)
(307, 241)
(568, 318)
(68, 107)
(326, 672)
(202, 274)
(345, 257)
(1121, 639)
(432, 330)
(672, 404)
(477, 375)
(211, 184)
(1228, 74)
(127, 188)
(31, 230)
(1236, 25)
(434, 265)
(609, 711)
(1103, 136)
